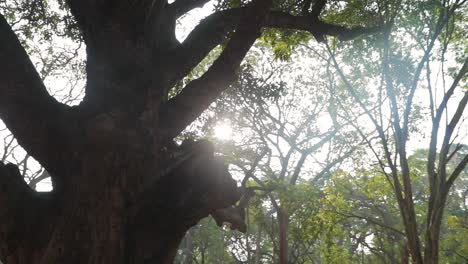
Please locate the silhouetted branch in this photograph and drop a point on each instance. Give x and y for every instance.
(34, 117)
(180, 7)
(200, 93)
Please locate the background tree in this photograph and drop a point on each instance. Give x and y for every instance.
(282, 127)
(398, 80)
(288, 130)
(358, 198)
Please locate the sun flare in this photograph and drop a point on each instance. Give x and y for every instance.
(223, 131)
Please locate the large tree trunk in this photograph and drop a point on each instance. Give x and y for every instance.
(123, 193)
(94, 218)
(120, 196)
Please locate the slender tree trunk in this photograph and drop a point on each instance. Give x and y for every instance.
(434, 223)
(406, 206)
(283, 221)
(413, 239)
(431, 252)
(405, 256)
(247, 240)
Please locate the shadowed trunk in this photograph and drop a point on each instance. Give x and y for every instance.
(122, 192)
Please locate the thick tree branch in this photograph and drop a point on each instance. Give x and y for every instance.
(432, 153)
(233, 215)
(456, 172)
(180, 7)
(448, 136)
(305, 23)
(210, 33)
(317, 8)
(34, 117)
(199, 94)
(199, 185)
(195, 181)
(19, 204)
(214, 29)
(91, 15)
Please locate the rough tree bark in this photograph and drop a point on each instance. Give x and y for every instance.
(121, 194)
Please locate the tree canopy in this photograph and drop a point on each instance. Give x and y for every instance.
(348, 139)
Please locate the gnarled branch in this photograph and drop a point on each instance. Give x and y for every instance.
(93, 14)
(199, 94)
(180, 7)
(214, 29)
(34, 117)
(198, 184)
